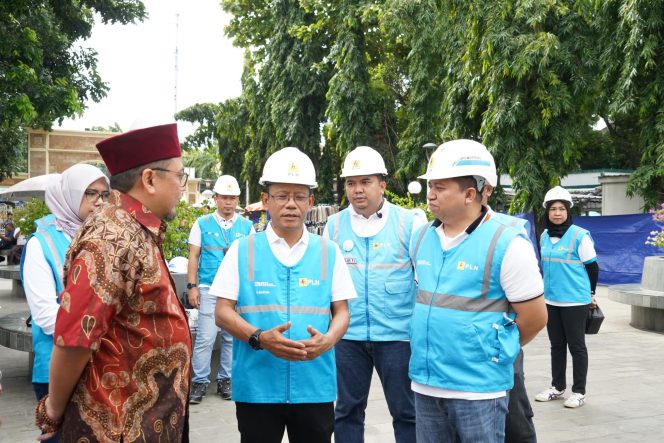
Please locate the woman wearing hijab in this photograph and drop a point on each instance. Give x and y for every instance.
(71, 198)
(569, 265)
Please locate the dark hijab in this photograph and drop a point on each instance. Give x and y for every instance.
(554, 229)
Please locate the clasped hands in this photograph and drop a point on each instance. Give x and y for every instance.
(274, 341)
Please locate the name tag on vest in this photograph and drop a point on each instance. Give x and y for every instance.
(350, 260)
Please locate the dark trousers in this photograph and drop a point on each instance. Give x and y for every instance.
(567, 329)
(355, 365)
(41, 389)
(304, 422)
(519, 426)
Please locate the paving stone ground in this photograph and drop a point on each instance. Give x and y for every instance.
(625, 401)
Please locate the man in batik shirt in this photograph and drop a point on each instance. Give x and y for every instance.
(120, 370)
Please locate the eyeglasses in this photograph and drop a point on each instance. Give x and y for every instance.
(181, 174)
(284, 198)
(92, 196)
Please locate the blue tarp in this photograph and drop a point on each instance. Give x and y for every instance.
(620, 245)
(620, 242)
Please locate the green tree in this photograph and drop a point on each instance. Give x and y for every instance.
(44, 74)
(203, 115)
(115, 127)
(633, 78)
(205, 161)
(286, 99)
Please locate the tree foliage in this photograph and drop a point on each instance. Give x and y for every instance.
(44, 74)
(527, 78)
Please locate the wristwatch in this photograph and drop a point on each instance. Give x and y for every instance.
(191, 285)
(255, 340)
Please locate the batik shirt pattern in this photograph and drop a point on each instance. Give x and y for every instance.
(119, 301)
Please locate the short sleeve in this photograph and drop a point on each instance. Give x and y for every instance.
(195, 234)
(90, 300)
(226, 283)
(587, 252)
(519, 272)
(342, 283)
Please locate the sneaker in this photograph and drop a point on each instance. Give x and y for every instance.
(224, 388)
(549, 394)
(197, 393)
(575, 400)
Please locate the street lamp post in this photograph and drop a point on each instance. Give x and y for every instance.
(429, 148)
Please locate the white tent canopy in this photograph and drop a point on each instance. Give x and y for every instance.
(28, 188)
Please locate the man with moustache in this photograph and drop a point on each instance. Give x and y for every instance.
(120, 367)
(283, 296)
(374, 236)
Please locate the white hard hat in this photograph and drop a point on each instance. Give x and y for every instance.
(289, 165)
(558, 193)
(226, 185)
(363, 160)
(459, 158)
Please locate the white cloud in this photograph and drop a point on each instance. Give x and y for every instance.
(138, 62)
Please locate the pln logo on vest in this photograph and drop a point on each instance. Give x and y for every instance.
(561, 248)
(463, 266)
(379, 245)
(304, 282)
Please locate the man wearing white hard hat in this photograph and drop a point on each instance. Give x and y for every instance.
(209, 239)
(283, 296)
(479, 300)
(374, 236)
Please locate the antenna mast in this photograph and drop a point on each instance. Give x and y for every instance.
(175, 92)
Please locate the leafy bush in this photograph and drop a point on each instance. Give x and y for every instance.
(176, 240)
(26, 215)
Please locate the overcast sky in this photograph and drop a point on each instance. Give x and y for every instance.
(138, 63)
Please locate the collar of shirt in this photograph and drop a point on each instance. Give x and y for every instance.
(222, 221)
(140, 213)
(369, 227)
(450, 242)
(285, 254)
(384, 212)
(273, 238)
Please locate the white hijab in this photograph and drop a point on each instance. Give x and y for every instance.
(65, 194)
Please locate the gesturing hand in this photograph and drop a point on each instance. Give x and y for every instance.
(274, 342)
(317, 344)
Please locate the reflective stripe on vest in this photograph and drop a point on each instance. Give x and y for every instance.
(466, 303)
(251, 262)
(423, 232)
(570, 249)
(402, 240)
(59, 267)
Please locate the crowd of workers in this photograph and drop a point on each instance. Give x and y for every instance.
(440, 310)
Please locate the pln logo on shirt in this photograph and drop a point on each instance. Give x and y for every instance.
(463, 266)
(304, 282)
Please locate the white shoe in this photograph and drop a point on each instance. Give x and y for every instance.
(575, 400)
(550, 394)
